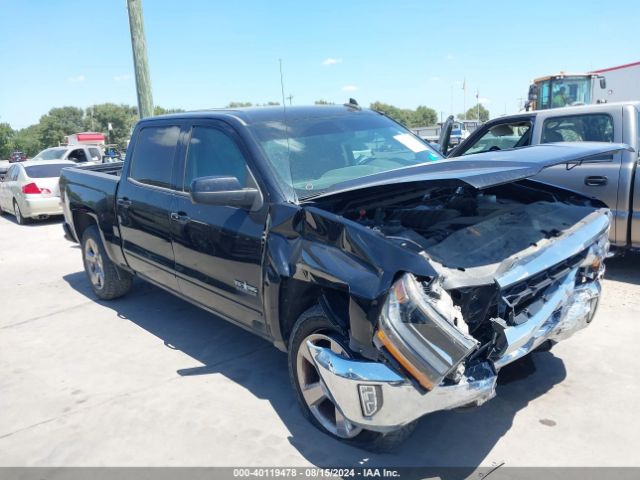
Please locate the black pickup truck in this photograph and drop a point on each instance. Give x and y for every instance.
(398, 282)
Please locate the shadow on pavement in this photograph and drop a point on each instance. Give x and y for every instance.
(624, 268)
(33, 223)
(461, 438)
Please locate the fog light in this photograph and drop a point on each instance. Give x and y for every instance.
(370, 399)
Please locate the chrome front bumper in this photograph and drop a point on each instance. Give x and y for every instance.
(375, 396)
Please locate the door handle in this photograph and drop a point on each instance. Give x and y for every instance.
(179, 217)
(596, 181)
(124, 202)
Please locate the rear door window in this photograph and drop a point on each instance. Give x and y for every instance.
(95, 153)
(46, 171)
(15, 173)
(152, 160)
(597, 127)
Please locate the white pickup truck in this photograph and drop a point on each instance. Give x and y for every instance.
(613, 178)
(82, 154)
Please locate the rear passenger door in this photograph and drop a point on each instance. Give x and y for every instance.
(595, 179)
(144, 201)
(218, 249)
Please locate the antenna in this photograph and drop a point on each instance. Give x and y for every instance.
(282, 84)
(284, 118)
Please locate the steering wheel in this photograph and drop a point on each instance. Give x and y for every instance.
(494, 148)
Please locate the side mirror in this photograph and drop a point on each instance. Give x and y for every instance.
(603, 82)
(223, 191)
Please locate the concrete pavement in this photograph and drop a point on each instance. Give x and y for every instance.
(152, 380)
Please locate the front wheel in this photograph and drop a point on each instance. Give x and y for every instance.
(106, 279)
(312, 394)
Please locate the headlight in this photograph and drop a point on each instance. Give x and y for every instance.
(418, 334)
(593, 264)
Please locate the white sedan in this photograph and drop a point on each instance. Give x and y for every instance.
(30, 189)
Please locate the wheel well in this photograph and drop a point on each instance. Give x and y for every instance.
(81, 221)
(296, 297)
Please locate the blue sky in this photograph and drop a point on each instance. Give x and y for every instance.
(205, 54)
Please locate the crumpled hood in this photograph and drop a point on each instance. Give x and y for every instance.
(483, 170)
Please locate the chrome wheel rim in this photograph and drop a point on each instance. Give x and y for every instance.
(315, 392)
(93, 261)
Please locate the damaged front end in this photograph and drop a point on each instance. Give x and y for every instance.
(438, 351)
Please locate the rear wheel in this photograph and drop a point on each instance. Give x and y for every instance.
(106, 279)
(314, 327)
(18, 214)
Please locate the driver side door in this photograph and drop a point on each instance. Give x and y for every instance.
(218, 248)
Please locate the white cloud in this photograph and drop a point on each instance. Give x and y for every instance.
(450, 57)
(349, 88)
(122, 78)
(435, 79)
(331, 61)
(484, 100)
(76, 79)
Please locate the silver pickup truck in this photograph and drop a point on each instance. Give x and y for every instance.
(610, 179)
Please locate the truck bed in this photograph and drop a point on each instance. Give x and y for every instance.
(92, 189)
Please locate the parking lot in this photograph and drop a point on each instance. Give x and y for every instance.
(151, 380)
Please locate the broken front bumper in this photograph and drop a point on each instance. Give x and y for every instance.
(376, 397)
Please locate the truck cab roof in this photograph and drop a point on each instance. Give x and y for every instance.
(252, 115)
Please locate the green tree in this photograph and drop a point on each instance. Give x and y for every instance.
(27, 140)
(121, 117)
(472, 113)
(239, 104)
(420, 117)
(403, 116)
(158, 110)
(424, 117)
(6, 136)
(60, 122)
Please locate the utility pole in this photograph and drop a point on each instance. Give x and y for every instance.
(290, 98)
(140, 62)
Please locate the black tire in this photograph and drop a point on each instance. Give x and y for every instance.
(18, 214)
(109, 281)
(315, 321)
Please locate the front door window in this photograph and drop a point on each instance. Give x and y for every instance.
(501, 137)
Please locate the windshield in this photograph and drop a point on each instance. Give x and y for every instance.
(50, 154)
(566, 91)
(315, 154)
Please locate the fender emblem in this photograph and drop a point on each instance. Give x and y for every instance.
(246, 288)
